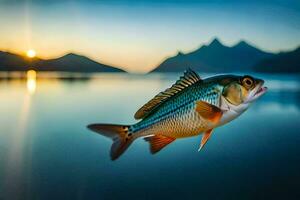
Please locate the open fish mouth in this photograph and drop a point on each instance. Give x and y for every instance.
(261, 91)
(258, 92)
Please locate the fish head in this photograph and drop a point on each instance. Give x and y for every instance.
(240, 91)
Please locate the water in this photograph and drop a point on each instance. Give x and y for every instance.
(46, 152)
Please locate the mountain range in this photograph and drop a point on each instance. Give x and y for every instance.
(68, 63)
(242, 57)
(284, 62)
(212, 58)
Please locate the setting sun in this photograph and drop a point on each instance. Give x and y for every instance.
(30, 53)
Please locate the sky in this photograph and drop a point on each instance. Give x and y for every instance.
(138, 35)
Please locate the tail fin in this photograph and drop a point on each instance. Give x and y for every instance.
(120, 135)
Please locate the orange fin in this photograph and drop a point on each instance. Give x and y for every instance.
(205, 138)
(209, 111)
(158, 142)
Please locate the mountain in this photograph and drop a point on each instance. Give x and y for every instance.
(12, 62)
(215, 57)
(67, 63)
(285, 62)
(74, 63)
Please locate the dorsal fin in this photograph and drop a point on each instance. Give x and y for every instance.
(189, 78)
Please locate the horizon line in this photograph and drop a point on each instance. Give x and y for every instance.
(23, 54)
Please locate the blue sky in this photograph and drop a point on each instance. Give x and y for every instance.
(138, 35)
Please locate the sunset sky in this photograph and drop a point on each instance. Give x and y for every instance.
(138, 35)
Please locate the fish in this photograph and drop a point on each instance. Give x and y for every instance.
(190, 107)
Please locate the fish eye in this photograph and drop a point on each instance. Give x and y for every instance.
(247, 82)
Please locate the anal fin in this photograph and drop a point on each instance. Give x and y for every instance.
(205, 138)
(158, 142)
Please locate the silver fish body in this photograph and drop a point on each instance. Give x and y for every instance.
(178, 117)
(190, 107)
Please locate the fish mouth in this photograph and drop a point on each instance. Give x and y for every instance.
(261, 91)
(258, 91)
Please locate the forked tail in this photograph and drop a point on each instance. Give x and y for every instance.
(120, 135)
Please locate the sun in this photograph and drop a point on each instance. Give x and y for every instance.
(31, 53)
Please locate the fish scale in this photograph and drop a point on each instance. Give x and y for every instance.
(178, 117)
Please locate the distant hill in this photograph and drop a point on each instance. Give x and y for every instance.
(216, 57)
(67, 63)
(285, 62)
(12, 62)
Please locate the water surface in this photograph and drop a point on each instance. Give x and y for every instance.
(46, 152)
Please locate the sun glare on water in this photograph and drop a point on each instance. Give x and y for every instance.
(31, 53)
(31, 81)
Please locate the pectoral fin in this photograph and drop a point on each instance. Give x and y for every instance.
(209, 111)
(158, 142)
(205, 138)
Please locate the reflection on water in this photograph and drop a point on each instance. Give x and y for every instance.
(31, 81)
(14, 175)
(47, 153)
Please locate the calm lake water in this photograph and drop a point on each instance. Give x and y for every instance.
(46, 152)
